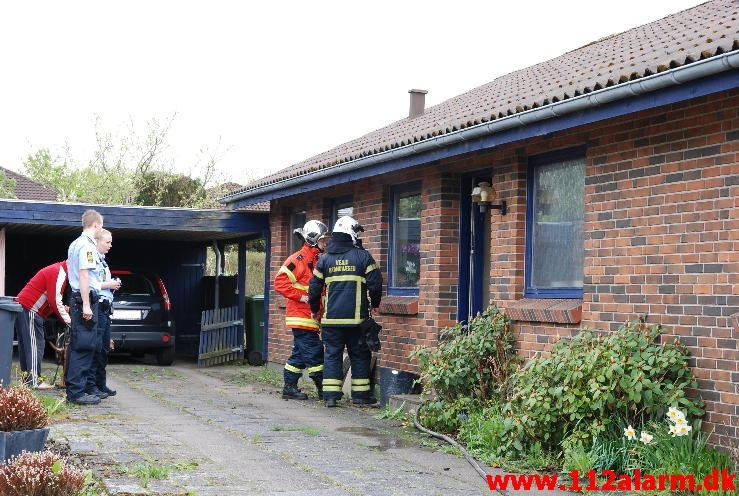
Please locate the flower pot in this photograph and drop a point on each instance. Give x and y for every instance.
(13, 443)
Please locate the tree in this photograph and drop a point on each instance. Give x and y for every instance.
(130, 169)
(7, 186)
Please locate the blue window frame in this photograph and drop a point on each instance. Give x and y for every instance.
(555, 210)
(404, 257)
(341, 206)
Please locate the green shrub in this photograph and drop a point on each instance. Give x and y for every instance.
(590, 381)
(470, 361)
(447, 416)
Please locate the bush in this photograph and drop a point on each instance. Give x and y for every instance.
(591, 381)
(447, 416)
(20, 410)
(470, 361)
(40, 474)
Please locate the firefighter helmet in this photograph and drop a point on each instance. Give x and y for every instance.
(348, 225)
(312, 232)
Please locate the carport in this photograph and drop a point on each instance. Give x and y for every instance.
(169, 241)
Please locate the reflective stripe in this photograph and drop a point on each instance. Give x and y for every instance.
(341, 321)
(297, 321)
(331, 389)
(293, 279)
(292, 368)
(317, 368)
(318, 273)
(360, 381)
(360, 388)
(370, 268)
(332, 381)
(345, 278)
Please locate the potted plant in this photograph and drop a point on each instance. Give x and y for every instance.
(23, 422)
(41, 473)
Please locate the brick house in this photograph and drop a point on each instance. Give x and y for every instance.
(616, 195)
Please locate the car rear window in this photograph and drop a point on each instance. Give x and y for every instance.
(136, 285)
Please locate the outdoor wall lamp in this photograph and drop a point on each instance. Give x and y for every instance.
(483, 195)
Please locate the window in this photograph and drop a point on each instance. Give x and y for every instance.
(405, 239)
(297, 220)
(554, 221)
(339, 208)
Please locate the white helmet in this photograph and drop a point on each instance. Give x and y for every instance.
(312, 232)
(348, 225)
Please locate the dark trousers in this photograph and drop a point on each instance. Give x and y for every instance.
(97, 377)
(30, 329)
(307, 354)
(82, 344)
(334, 340)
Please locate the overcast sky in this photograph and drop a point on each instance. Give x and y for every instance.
(277, 82)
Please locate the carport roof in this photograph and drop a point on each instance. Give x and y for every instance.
(179, 224)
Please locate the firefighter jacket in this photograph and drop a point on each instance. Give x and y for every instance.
(292, 283)
(43, 294)
(349, 274)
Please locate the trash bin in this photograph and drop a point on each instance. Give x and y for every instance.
(255, 329)
(9, 309)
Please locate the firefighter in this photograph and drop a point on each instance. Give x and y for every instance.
(292, 283)
(348, 272)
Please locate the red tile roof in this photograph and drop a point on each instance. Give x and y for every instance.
(28, 189)
(679, 39)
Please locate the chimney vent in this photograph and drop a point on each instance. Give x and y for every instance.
(418, 103)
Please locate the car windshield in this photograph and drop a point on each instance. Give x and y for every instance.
(135, 285)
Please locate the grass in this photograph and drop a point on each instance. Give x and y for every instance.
(393, 414)
(311, 431)
(146, 472)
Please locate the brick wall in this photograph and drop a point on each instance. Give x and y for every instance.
(661, 224)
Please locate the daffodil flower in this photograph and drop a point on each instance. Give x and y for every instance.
(681, 421)
(646, 437)
(682, 430)
(673, 430)
(674, 414)
(629, 432)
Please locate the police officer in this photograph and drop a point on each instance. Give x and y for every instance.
(292, 283)
(96, 379)
(348, 273)
(85, 267)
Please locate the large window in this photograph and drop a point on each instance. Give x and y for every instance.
(554, 241)
(339, 208)
(405, 238)
(297, 220)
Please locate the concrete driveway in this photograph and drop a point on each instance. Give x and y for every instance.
(217, 432)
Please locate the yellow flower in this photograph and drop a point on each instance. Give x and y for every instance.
(646, 437)
(629, 432)
(674, 414)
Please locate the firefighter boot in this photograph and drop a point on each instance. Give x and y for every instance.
(291, 392)
(318, 381)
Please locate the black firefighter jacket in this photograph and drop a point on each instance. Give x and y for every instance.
(348, 273)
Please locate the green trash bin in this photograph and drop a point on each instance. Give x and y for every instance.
(255, 329)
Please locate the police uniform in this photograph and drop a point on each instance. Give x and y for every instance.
(97, 378)
(348, 274)
(84, 338)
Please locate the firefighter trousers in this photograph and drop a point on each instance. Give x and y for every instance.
(307, 354)
(334, 340)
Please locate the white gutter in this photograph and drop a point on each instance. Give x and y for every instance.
(672, 77)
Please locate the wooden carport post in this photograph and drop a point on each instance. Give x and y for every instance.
(241, 289)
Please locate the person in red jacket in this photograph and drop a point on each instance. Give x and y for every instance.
(41, 297)
(292, 283)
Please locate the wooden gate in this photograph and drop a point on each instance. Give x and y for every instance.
(221, 337)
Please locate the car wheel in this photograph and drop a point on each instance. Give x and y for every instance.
(165, 357)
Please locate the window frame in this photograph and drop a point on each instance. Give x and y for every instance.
(395, 190)
(291, 237)
(534, 162)
(335, 202)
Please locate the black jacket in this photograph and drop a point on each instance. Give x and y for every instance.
(348, 273)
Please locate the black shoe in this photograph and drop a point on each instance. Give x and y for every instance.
(85, 399)
(318, 381)
(293, 393)
(106, 389)
(364, 401)
(331, 403)
(100, 394)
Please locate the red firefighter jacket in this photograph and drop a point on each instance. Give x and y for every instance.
(43, 293)
(292, 283)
